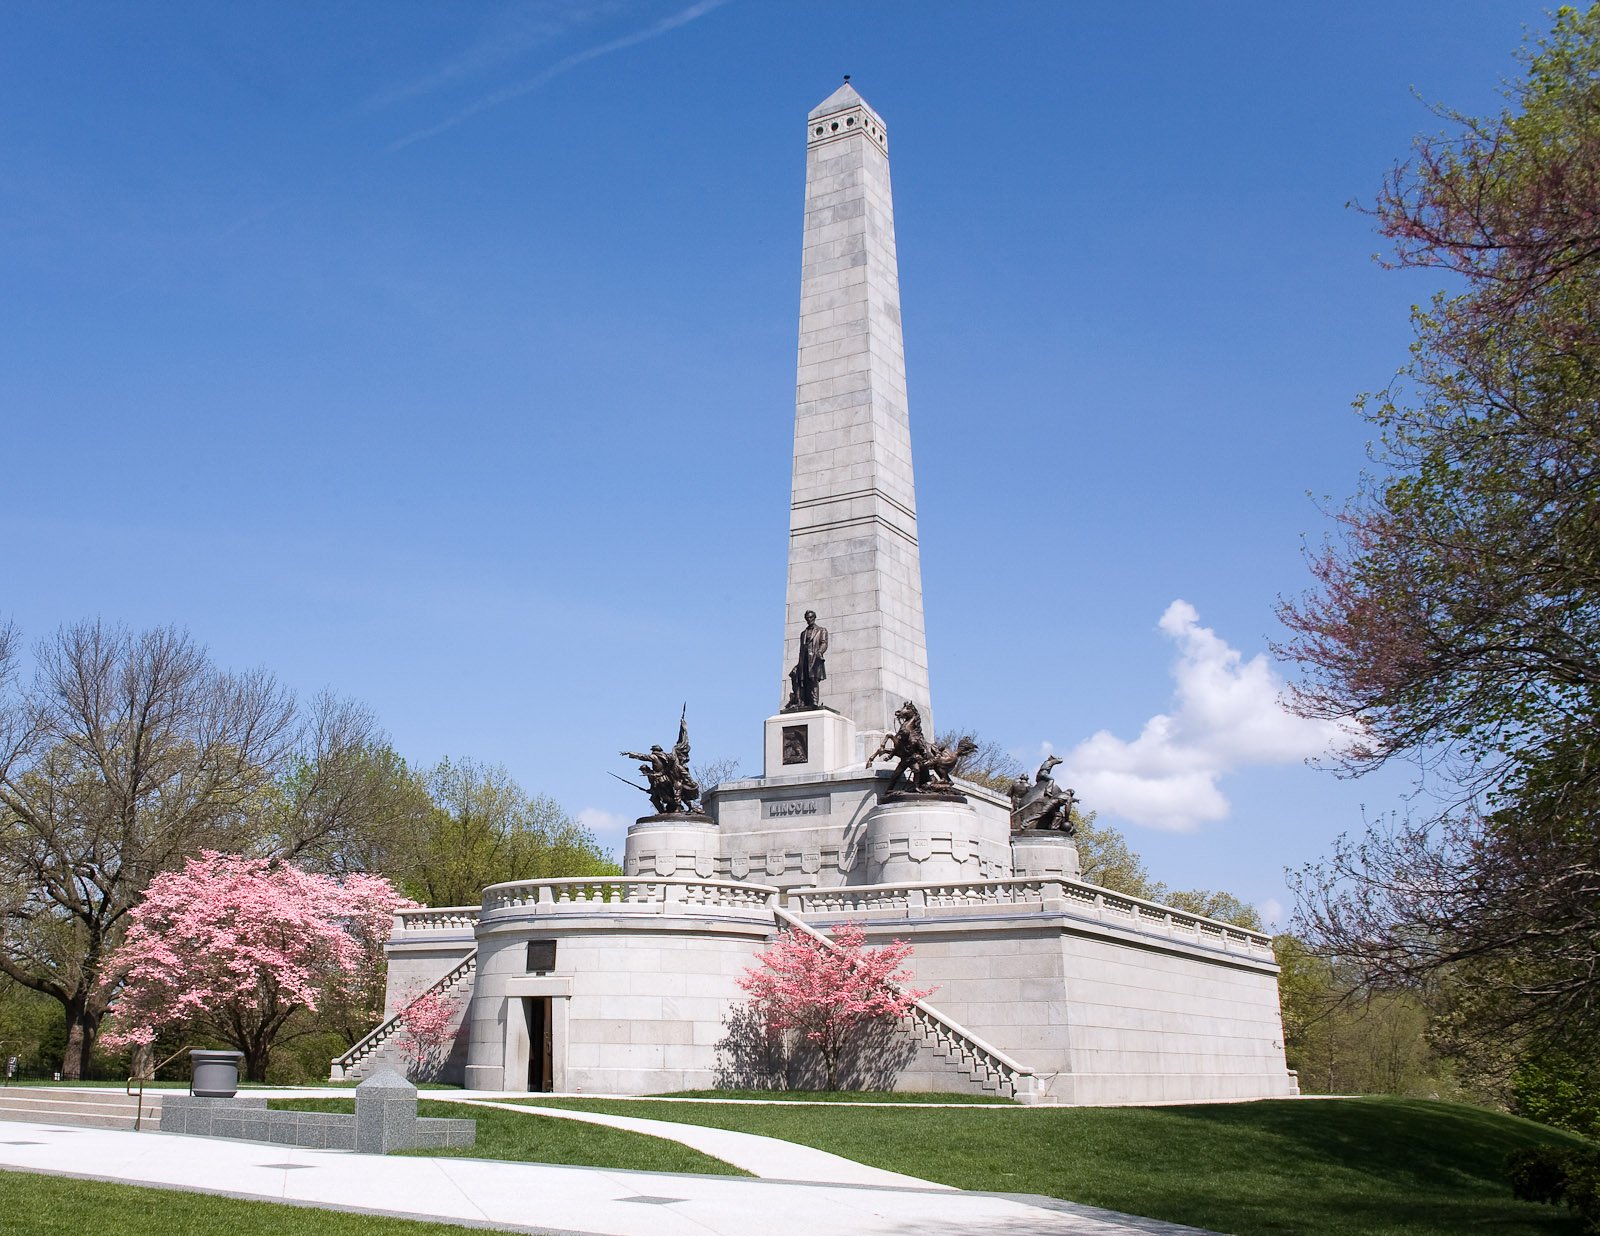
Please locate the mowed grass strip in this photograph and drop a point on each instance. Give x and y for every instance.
(546, 1139)
(35, 1205)
(1342, 1167)
(841, 1096)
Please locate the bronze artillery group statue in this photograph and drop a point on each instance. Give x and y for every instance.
(1044, 804)
(671, 788)
(924, 766)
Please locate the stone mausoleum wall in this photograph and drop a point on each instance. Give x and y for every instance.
(1097, 997)
(639, 992)
(1121, 1007)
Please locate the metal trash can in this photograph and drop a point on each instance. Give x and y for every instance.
(215, 1074)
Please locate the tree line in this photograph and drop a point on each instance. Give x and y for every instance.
(123, 754)
(1453, 620)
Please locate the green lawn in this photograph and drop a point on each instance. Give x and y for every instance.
(546, 1139)
(35, 1205)
(1352, 1167)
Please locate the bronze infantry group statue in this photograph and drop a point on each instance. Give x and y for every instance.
(672, 789)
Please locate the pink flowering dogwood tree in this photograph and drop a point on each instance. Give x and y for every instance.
(235, 947)
(827, 990)
(426, 1037)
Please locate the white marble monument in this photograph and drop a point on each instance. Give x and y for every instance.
(853, 506)
(1048, 989)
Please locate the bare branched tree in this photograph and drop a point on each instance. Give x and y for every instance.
(989, 764)
(127, 753)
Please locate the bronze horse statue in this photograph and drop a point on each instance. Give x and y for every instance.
(921, 762)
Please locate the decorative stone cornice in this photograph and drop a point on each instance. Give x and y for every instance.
(855, 120)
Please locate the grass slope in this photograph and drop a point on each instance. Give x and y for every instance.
(841, 1096)
(545, 1139)
(35, 1205)
(1354, 1167)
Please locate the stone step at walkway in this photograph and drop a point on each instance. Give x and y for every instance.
(90, 1107)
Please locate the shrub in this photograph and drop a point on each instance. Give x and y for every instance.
(1559, 1174)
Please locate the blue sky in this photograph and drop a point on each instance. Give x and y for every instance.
(444, 355)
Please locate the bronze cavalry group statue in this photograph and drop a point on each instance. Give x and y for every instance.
(924, 765)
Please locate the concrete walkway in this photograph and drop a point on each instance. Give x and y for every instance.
(770, 1158)
(531, 1197)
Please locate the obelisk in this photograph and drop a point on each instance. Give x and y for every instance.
(853, 516)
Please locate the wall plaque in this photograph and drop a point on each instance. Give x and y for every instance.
(796, 744)
(793, 808)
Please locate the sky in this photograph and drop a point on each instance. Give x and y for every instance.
(443, 355)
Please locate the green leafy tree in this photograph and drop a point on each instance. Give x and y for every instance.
(482, 828)
(1560, 1089)
(1456, 620)
(1344, 1039)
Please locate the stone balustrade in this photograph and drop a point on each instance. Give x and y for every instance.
(660, 895)
(441, 918)
(628, 895)
(1076, 897)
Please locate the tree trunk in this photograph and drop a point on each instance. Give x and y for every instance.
(255, 1061)
(142, 1061)
(83, 1028)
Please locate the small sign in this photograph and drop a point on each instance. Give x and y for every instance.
(541, 956)
(793, 808)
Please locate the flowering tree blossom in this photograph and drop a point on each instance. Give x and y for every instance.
(234, 947)
(427, 1019)
(828, 989)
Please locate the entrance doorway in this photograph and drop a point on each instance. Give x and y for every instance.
(540, 1043)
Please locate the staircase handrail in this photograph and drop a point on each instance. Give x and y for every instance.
(138, 1112)
(954, 1028)
(386, 1027)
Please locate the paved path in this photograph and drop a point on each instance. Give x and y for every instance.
(532, 1197)
(770, 1158)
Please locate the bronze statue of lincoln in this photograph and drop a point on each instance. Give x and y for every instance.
(806, 677)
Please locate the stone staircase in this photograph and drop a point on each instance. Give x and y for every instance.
(955, 1051)
(371, 1052)
(90, 1107)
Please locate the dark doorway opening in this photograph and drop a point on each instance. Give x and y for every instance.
(540, 1043)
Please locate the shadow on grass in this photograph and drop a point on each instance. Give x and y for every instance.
(1405, 1141)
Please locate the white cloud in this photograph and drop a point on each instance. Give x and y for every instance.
(1227, 715)
(608, 827)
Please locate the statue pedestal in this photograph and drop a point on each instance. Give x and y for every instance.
(666, 845)
(922, 839)
(1040, 853)
(818, 740)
